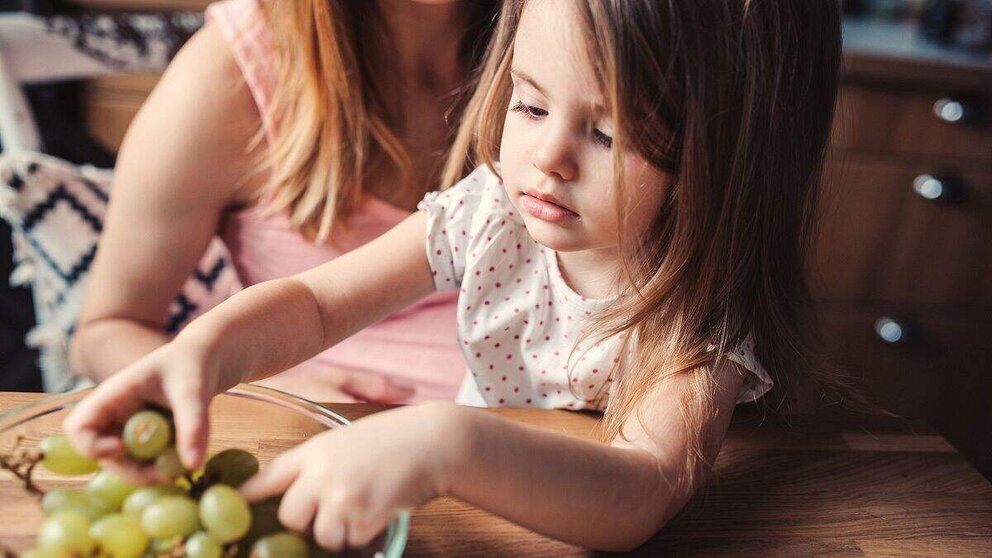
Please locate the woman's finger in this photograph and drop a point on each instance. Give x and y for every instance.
(378, 389)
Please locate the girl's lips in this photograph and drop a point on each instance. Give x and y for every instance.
(545, 210)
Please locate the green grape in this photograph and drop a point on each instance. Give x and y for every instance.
(119, 536)
(160, 547)
(147, 434)
(202, 545)
(137, 501)
(231, 467)
(65, 533)
(224, 513)
(108, 486)
(72, 499)
(264, 521)
(168, 465)
(280, 545)
(170, 516)
(59, 457)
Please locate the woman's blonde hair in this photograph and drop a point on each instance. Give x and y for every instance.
(734, 100)
(334, 128)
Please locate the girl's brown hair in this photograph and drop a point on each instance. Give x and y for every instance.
(335, 130)
(734, 99)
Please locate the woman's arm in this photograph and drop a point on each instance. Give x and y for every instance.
(585, 493)
(181, 164)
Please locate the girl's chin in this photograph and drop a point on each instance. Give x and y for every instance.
(555, 237)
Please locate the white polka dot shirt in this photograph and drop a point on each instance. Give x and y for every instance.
(518, 320)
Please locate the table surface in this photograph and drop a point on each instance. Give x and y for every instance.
(871, 487)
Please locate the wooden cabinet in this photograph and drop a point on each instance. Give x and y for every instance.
(903, 266)
(901, 119)
(112, 102)
(882, 239)
(942, 372)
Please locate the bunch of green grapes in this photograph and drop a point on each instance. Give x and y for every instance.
(197, 514)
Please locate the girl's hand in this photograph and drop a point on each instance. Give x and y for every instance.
(346, 485)
(179, 375)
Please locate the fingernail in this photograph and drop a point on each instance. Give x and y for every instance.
(193, 456)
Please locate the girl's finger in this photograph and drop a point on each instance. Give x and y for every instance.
(363, 531)
(192, 431)
(329, 529)
(298, 508)
(273, 479)
(106, 446)
(94, 420)
(130, 471)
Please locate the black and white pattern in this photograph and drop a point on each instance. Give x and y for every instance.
(128, 42)
(56, 211)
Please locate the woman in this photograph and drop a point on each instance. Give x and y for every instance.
(296, 131)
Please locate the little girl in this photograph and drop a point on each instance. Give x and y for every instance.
(638, 248)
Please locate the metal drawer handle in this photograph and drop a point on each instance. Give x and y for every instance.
(949, 110)
(938, 187)
(961, 111)
(893, 332)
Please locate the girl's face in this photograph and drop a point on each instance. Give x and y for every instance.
(556, 158)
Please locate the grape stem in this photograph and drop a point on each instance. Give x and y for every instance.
(22, 465)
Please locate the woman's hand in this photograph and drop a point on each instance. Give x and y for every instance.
(179, 375)
(346, 485)
(373, 388)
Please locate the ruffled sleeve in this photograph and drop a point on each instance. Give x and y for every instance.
(757, 381)
(449, 227)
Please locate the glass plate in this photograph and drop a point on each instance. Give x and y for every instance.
(258, 419)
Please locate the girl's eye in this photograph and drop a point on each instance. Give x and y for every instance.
(528, 111)
(602, 139)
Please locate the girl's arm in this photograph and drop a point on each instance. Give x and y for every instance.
(585, 493)
(345, 485)
(257, 332)
(277, 324)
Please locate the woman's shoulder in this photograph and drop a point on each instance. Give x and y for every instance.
(199, 113)
(237, 16)
(250, 46)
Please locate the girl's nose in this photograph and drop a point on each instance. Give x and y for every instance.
(554, 155)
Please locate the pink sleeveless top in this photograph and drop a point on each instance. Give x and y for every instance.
(415, 348)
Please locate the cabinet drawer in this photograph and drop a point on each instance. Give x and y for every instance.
(881, 240)
(941, 374)
(898, 121)
(112, 102)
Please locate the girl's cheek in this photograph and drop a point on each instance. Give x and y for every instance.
(635, 162)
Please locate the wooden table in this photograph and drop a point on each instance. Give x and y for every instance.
(873, 488)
